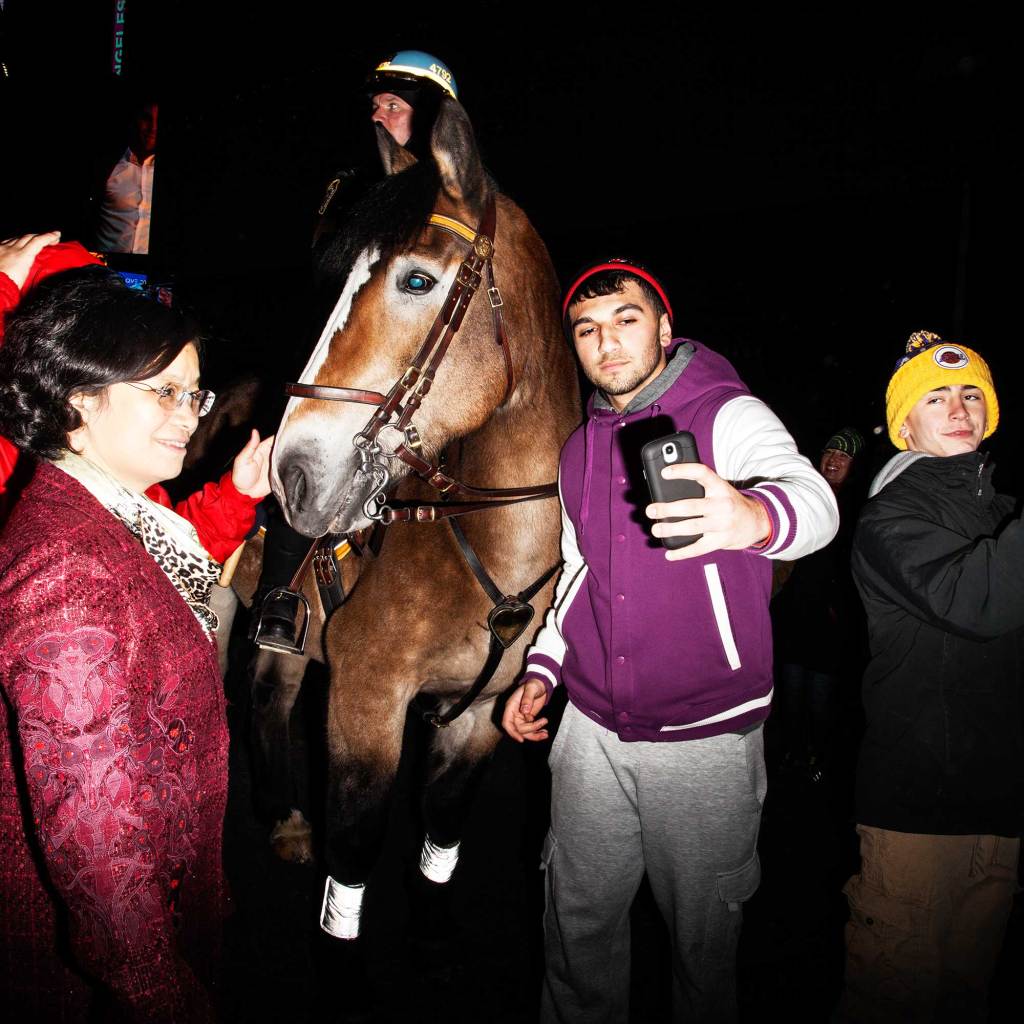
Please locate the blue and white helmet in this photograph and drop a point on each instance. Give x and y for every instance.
(412, 68)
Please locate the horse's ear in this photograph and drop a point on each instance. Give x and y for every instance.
(453, 146)
(394, 157)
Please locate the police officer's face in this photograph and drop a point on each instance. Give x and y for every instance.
(394, 115)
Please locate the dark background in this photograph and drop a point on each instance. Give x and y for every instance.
(812, 185)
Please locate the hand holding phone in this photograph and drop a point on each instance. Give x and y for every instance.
(666, 451)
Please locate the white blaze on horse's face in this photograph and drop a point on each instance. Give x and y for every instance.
(360, 274)
(320, 430)
(316, 469)
(380, 322)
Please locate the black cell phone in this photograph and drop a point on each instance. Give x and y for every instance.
(678, 447)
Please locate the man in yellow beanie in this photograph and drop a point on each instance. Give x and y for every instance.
(938, 558)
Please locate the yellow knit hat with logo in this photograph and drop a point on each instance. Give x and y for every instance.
(932, 363)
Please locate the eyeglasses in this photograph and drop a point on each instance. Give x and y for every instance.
(171, 398)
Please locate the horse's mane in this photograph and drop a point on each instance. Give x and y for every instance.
(388, 217)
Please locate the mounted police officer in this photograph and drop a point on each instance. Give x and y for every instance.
(405, 93)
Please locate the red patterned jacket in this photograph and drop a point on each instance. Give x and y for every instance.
(113, 772)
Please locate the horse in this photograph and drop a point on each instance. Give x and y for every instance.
(379, 423)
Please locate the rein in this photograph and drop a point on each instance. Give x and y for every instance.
(395, 410)
(511, 614)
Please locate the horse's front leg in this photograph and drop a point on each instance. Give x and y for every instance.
(459, 757)
(365, 723)
(276, 680)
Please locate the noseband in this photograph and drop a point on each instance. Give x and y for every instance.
(396, 409)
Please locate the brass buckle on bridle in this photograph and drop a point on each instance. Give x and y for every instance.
(468, 277)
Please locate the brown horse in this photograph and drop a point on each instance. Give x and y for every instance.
(495, 417)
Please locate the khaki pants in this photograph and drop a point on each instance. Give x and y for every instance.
(927, 918)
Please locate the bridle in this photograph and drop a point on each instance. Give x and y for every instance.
(396, 409)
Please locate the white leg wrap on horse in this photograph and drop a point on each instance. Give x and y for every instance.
(342, 908)
(438, 862)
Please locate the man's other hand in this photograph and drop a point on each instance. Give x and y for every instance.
(520, 719)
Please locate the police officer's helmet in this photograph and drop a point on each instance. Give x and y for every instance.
(411, 69)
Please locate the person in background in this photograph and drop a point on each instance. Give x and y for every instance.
(938, 558)
(126, 209)
(816, 625)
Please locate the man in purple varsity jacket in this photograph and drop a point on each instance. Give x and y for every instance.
(658, 764)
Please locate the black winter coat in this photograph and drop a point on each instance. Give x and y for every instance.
(938, 558)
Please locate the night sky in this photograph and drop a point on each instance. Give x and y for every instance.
(812, 187)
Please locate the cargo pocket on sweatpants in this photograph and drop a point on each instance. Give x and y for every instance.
(725, 918)
(736, 887)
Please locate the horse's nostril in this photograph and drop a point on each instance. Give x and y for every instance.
(295, 487)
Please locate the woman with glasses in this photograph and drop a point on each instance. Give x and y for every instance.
(220, 513)
(113, 774)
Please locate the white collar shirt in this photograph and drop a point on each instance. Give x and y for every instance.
(127, 206)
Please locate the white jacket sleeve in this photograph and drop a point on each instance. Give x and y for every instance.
(544, 658)
(757, 455)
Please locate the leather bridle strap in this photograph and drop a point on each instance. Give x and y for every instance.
(406, 395)
(500, 335)
(416, 382)
(496, 648)
(332, 394)
(432, 512)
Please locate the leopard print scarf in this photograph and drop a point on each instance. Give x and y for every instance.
(171, 540)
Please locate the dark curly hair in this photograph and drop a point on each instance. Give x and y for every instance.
(78, 332)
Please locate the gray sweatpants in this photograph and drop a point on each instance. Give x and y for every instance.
(688, 813)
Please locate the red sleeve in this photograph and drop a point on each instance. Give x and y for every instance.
(99, 818)
(51, 260)
(8, 457)
(221, 515)
(9, 298)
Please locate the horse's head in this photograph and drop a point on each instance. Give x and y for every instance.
(400, 270)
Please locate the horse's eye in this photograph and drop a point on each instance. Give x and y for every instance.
(418, 283)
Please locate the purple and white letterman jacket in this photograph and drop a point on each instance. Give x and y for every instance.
(659, 650)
